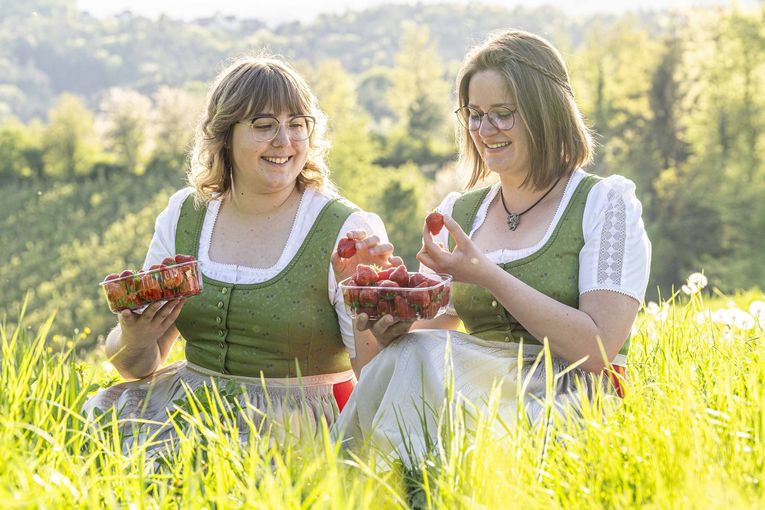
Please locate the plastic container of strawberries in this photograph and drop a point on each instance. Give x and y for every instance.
(135, 291)
(424, 298)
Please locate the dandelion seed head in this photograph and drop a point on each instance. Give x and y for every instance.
(652, 308)
(697, 280)
(757, 309)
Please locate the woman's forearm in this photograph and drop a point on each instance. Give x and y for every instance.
(133, 358)
(572, 333)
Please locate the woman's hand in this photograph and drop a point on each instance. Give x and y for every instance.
(386, 330)
(369, 251)
(151, 324)
(466, 263)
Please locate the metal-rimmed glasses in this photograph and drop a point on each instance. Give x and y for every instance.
(501, 117)
(265, 128)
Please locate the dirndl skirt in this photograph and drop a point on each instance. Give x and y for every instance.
(396, 401)
(296, 405)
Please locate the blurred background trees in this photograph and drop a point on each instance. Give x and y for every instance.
(96, 117)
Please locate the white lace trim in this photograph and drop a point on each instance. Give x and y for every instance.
(612, 240)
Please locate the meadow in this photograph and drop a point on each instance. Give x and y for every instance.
(688, 434)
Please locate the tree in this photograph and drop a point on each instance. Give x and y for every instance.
(353, 151)
(174, 118)
(126, 114)
(70, 147)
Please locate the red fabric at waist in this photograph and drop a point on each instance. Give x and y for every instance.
(342, 392)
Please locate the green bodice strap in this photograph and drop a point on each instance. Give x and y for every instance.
(272, 327)
(552, 270)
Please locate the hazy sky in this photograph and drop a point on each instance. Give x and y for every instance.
(279, 11)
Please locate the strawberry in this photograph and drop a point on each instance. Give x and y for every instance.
(182, 259)
(365, 275)
(430, 311)
(435, 222)
(172, 277)
(346, 248)
(385, 274)
(371, 311)
(168, 261)
(368, 297)
(400, 276)
(401, 309)
(150, 289)
(420, 298)
(351, 295)
(419, 278)
(385, 307)
(387, 284)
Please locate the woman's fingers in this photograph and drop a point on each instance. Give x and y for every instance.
(455, 230)
(170, 311)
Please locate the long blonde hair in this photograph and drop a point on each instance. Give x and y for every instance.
(536, 76)
(245, 88)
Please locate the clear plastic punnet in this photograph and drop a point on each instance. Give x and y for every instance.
(422, 297)
(134, 291)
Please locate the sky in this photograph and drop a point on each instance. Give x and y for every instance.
(275, 12)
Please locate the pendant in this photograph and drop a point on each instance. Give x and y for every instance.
(513, 220)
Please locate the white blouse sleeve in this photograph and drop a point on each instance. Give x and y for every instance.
(163, 242)
(445, 207)
(372, 225)
(617, 253)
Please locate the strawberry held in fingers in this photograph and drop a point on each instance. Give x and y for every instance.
(435, 222)
(346, 248)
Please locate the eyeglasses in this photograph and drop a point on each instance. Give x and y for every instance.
(501, 117)
(265, 128)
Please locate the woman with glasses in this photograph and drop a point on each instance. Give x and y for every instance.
(263, 219)
(549, 252)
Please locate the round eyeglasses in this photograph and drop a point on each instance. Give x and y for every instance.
(266, 127)
(501, 117)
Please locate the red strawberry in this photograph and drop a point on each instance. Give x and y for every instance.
(365, 275)
(172, 277)
(371, 311)
(368, 297)
(150, 289)
(387, 284)
(401, 309)
(385, 274)
(430, 311)
(435, 222)
(125, 273)
(111, 276)
(182, 259)
(385, 307)
(400, 276)
(155, 267)
(346, 248)
(168, 261)
(420, 298)
(351, 295)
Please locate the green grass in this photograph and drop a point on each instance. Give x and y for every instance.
(687, 435)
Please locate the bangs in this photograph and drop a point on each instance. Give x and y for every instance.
(279, 92)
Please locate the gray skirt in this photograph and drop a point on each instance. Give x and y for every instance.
(276, 406)
(396, 402)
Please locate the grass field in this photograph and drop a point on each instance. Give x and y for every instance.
(689, 434)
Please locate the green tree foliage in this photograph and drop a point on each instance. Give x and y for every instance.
(353, 151)
(21, 152)
(419, 96)
(400, 202)
(69, 140)
(127, 116)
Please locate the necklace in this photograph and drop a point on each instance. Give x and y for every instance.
(514, 219)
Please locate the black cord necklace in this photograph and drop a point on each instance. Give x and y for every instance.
(513, 219)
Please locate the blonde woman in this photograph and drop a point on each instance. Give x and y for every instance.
(550, 252)
(263, 219)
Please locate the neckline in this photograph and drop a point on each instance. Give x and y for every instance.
(214, 208)
(517, 254)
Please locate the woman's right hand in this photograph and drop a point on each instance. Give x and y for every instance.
(386, 330)
(152, 323)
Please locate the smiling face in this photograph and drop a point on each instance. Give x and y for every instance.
(503, 152)
(267, 167)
